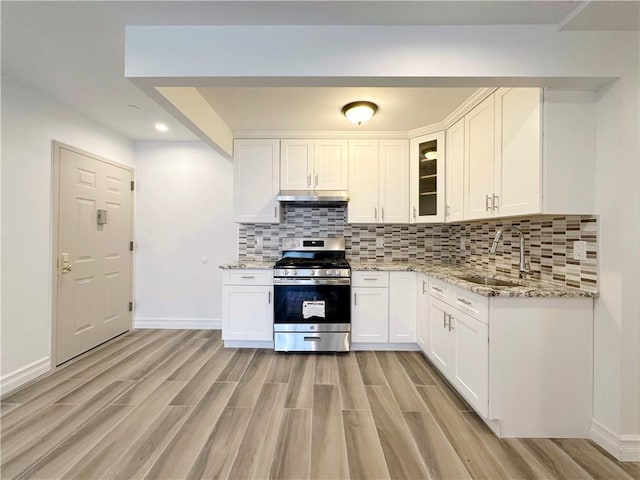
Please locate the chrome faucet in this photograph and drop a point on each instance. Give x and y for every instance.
(524, 265)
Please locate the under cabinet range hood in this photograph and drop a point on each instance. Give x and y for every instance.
(314, 198)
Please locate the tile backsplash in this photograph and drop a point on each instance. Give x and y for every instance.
(548, 242)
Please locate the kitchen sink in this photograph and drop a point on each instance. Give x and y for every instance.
(488, 281)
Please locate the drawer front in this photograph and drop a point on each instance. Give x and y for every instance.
(476, 306)
(370, 279)
(248, 277)
(439, 289)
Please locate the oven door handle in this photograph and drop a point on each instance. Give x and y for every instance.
(312, 281)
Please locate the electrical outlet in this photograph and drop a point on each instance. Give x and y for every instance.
(579, 250)
(379, 242)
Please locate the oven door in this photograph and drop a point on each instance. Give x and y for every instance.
(319, 301)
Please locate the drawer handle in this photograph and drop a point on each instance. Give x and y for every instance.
(439, 290)
(311, 339)
(444, 319)
(355, 299)
(369, 279)
(466, 302)
(424, 286)
(450, 325)
(269, 297)
(247, 277)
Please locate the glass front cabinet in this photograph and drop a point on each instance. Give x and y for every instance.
(427, 178)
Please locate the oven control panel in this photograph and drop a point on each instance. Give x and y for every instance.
(312, 272)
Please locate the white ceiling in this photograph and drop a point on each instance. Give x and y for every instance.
(74, 51)
(319, 108)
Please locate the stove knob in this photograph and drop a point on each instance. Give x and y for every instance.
(286, 272)
(293, 272)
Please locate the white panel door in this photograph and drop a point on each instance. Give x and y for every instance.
(518, 151)
(331, 165)
(256, 181)
(402, 307)
(94, 285)
(296, 164)
(455, 172)
(479, 128)
(247, 312)
(422, 318)
(440, 336)
(471, 360)
(363, 182)
(370, 315)
(394, 181)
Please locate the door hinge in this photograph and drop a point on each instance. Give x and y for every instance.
(131, 246)
(132, 185)
(131, 306)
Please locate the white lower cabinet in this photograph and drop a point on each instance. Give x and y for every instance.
(422, 316)
(247, 307)
(459, 347)
(370, 314)
(402, 307)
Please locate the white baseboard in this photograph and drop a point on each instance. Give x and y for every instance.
(625, 448)
(19, 377)
(179, 323)
(410, 347)
(248, 344)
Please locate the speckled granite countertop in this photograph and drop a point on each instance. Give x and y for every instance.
(247, 265)
(449, 274)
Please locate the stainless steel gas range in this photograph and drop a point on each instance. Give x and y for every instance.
(312, 296)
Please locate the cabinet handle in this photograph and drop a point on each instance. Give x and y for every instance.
(486, 202)
(247, 277)
(355, 299)
(424, 285)
(466, 302)
(447, 211)
(375, 213)
(309, 180)
(369, 279)
(439, 290)
(269, 298)
(444, 320)
(382, 209)
(275, 211)
(494, 202)
(316, 179)
(450, 324)
(414, 213)
(311, 339)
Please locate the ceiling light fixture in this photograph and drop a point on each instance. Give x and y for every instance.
(161, 127)
(359, 112)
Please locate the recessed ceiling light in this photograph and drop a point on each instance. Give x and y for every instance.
(161, 127)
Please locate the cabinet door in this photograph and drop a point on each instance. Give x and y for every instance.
(427, 178)
(256, 181)
(455, 172)
(363, 182)
(296, 164)
(394, 181)
(331, 166)
(370, 315)
(422, 325)
(479, 128)
(247, 313)
(402, 307)
(440, 336)
(471, 360)
(518, 151)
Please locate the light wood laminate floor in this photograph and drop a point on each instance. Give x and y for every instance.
(170, 404)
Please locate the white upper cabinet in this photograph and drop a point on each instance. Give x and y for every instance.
(378, 181)
(526, 151)
(296, 164)
(394, 181)
(314, 164)
(256, 181)
(454, 209)
(427, 178)
(479, 129)
(517, 151)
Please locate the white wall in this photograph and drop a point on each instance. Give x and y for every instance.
(184, 230)
(30, 121)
